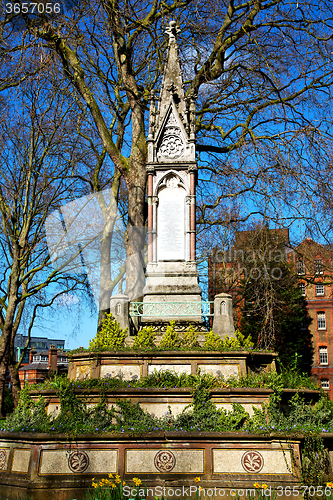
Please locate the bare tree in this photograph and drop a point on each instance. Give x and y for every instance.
(261, 71)
(38, 150)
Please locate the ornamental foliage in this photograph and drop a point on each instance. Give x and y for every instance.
(110, 335)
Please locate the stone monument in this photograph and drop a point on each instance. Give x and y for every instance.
(172, 290)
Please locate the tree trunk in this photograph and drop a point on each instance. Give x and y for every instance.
(3, 370)
(15, 380)
(135, 233)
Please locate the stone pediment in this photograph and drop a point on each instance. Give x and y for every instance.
(172, 120)
(172, 143)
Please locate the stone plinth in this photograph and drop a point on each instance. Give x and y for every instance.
(133, 365)
(172, 282)
(50, 466)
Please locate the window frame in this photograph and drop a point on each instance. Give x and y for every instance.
(319, 294)
(300, 267)
(323, 356)
(319, 266)
(328, 383)
(322, 320)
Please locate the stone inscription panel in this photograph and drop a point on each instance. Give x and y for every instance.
(78, 462)
(127, 372)
(222, 370)
(82, 372)
(171, 224)
(161, 409)
(4, 455)
(251, 461)
(53, 409)
(165, 461)
(21, 461)
(172, 368)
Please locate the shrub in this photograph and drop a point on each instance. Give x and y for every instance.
(170, 338)
(110, 336)
(189, 337)
(213, 341)
(29, 415)
(245, 342)
(145, 338)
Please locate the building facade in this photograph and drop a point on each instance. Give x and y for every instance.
(42, 363)
(313, 265)
(38, 343)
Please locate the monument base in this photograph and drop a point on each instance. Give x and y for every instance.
(172, 292)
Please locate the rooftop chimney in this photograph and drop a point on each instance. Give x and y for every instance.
(32, 352)
(53, 355)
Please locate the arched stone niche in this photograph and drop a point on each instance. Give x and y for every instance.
(223, 307)
(171, 216)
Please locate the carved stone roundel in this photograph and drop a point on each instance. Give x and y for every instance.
(2, 459)
(252, 461)
(165, 461)
(78, 461)
(171, 146)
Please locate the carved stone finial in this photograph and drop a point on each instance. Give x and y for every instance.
(172, 30)
(152, 115)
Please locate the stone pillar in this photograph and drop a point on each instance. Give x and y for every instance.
(150, 217)
(192, 215)
(188, 228)
(119, 308)
(154, 230)
(223, 323)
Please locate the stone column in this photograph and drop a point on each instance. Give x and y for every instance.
(192, 215)
(223, 323)
(154, 230)
(188, 228)
(119, 308)
(150, 217)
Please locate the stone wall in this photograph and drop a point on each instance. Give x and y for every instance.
(44, 466)
(134, 365)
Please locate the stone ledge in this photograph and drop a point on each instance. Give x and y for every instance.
(53, 465)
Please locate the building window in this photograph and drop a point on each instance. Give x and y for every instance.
(318, 266)
(300, 268)
(301, 287)
(320, 290)
(60, 346)
(323, 356)
(325, 383)
(321, 320)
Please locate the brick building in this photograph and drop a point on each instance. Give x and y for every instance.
(313, 263)
(37, 343)
(42, 363)
(314, 267)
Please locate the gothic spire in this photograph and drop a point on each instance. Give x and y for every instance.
(172, 84)
(171, 134)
